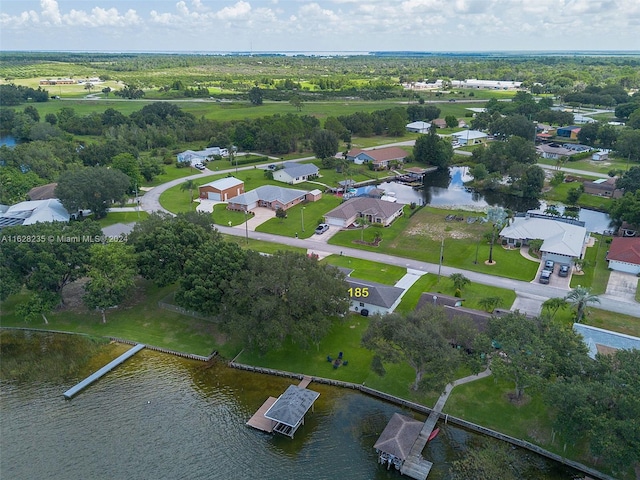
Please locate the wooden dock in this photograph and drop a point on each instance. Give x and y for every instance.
(304, 383)
(261, 422)
(415, 466)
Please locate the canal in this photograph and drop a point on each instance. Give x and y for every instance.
(162, 417)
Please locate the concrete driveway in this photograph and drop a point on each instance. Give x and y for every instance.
(324, 238)
(622, 285)
(555, 280)
(260, 215)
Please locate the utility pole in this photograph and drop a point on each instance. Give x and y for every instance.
(441, 257)
(246, 227)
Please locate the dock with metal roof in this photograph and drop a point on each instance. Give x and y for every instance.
(285, 414)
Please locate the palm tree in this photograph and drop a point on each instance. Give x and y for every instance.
(552, 305)
(188, 185)
(490, 303)
(459, 280)
(580, 298)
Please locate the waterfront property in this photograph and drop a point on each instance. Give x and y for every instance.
(373, 210)
(564, 240)
(604, 187)
(369, 298)
(379, 157)
(397, 438)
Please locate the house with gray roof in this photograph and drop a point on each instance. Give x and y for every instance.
(289, 409)
(222, 189)
(418, 127)
(373, 297)
(34, 211)
(373, 209)
(200, 156)
(269, 196)
(470, 137)
(293, 172)
(563, 241)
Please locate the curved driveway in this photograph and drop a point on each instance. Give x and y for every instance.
(150, 202)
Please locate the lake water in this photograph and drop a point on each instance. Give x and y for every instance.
(446, 189)
(162, 417)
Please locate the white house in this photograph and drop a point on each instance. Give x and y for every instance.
(563, 240)
(293, 172)
(624, 255)
(418, 127)
(192, 157)
(470, 137)
(373, 297)
(34, 211)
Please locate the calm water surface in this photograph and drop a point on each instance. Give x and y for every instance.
(163, 417)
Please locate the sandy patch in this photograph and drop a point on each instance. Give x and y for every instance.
(437, 231)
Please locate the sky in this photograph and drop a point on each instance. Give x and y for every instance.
(319, 26)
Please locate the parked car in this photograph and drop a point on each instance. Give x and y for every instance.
(272, 167)
(199, 166)
(563, 271)
(320, 229)
(549, 265)
(545, 275)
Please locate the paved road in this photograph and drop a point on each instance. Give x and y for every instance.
(150, 202)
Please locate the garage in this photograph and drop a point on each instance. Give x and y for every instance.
(213, 196)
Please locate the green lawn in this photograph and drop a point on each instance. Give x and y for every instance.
(559, 194)
(367, 270)
(596, 273)
(141, 321)
(308, 214)
(589, 165)
(122, 217)
(419, 237)
(171, 172)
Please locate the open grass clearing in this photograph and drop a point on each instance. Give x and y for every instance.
(596, 272)
(368, 270)
(559, 194)
(122, 217)
(588, 165)
(419, 237)
(302, 219)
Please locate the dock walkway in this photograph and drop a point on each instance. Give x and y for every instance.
(415, 466)
(103, 371)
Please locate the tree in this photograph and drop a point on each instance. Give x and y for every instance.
(38, 306)
(607, 136)
(255, 96)
(106, 91)
(32, 111)
(51, 264)
(111, 276)
(163, 244)
(296, 101)
(588, 133)
(324, 143)
(552, 305)
(189, 185)
(595, 403)
(489, 304)
(286, 296)
(628, 144)
(281, 213)
(479, 172)
(451, 121)
(630, 180)
(130, 166)
(93, 188)
(459, 280)
(573, 195)
(433, 150)
(418, 339)
(580, 298)
(626, 208)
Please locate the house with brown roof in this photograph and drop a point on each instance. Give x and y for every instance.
(379, 157)
(624, 255)
(603, 187)
(374, 210)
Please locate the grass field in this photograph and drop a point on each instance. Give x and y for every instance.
(559, 194)
(589, 165)
(122, 217)
(596, 272)
(367, 270)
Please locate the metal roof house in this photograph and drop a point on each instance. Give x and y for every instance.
(563, 241)
(222, 189)
(289, 409)
(293, 172)
(470, 137)
(192, 157)
(603, 341)
(269, 196)
(418, 127)
(34, 211)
